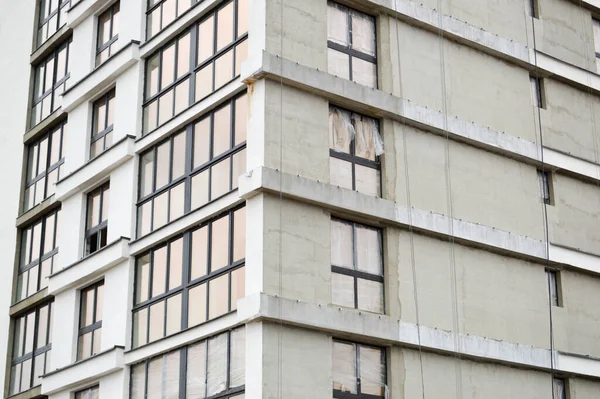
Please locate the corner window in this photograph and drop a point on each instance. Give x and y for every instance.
(212, 368)
(554, 287)
(351, 43)
(32, 342)
(97, 219)
(103, 111)
(359, 371)
(354, 149)
(191, 279)
(39, 253)
(108, 33)
(193, 167)
(200, 61)
(52, 17)
(44, 163)
(537, 92)
(356, 266)
(50, 82)
(545, 180)
(596, 28)
(88, 393)
(90, 321)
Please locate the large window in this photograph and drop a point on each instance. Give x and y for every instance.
(213, 368)
(90, 321)
(200, 61)
(192, 167)
(108, 33)
(96, 230)
(351, 45)
(88, 393)
(53, 15)
(359, 371)
(102, 123)
(39, 253)
(356, 266)
(50, 81)
(354, 149)
(44, 163)
(191, 279)
(32, 341)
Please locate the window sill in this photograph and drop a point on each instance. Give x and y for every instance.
(33, 393)
(28, 303)
(49, 45)
(35, 131)
(34, 213)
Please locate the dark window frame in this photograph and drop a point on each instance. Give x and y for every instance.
(150, 8)
(536, 83)
(100, 47)
(187, 283)
(534, 9)
(337, 394)
(78, 394)
(96, 324)
(554, 280)
(58, 12)
(546, 186)
(98, 228)
(106, 98)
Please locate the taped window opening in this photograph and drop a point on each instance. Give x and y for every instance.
(358, 370)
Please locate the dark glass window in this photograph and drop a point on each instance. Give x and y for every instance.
(32, 342)
(97, 219)
(52, 17)
(50, 82)
(193, 166)
(88, 393)
(359, 371)
(108, 33)
(351, 45)
(39, 253)
(102, 123)
(200, 61)
(90, 321)
(192, 278)
(212, 368)
(44, 163)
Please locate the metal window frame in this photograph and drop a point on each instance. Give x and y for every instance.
(554, 282)
(187, 283)
(100, 47)
(101, 225)
(105, 99)
(337, 394)
(189, 171)
(545, 179)
(36, 351)
(151, 8)
(358, 274)
(194, 67)
(229, 392)
(78, 394)
(96, 324)
(45, 20)
(348, 50)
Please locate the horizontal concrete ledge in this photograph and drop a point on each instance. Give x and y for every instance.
(383, 330)
(41, 128)
(37, 211)
(83, 371)
(49, 45)
(96, 170)
(28, 303)
(83, 9)
(575, 258)
(571, 165)
(382, 212)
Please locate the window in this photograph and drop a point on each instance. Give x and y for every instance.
(351, 45)
(192, 167)
(559, 387)
(532, 7)
(53, 15)
(88, 393)
(97, 219)
(90, 321)
(537, 92)
(102, 123)
(108, 33)
(359, 371)
(44, 163)
(32, 342)
(212, 368)
(596, 28)
(200, 61)
(545, 179)
(356, 266)
(50, 81)
(204, 267)
(39, 253)
(354, 149)
(554, 287)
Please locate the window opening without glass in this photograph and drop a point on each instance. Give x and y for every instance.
(90, 321)
(359, 371)
(108, 33)
(97, 219)
(102, 123)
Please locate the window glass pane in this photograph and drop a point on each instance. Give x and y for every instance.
(337, 24)
(182, 96)
(177, 201)
(162, 167)
(364, 72)
(367, 180)
(147, 173)
(152, 76)
(43, 155)
(196, 371)
(237, 365)
(368, 250)
(150, 116)
(15, 378)
(142, 278)
(183, 55)
(26, 375)
(201, 142)
(55, 151)
(168, 12)
(99, 301)
(104, 28)
(222, 131)
(596, 27)
(84, 346)
(175, 263)
(87, 307)
(140, 329)
(32, 287)
(363, 33)
(239, 167)
(197, 305)
(342, 290)
(168, 64)
(220, 243)
(218, 302)
(219, 179)
(159, 271)
(173, 314)
(49, 234)
(138, 381)
(105, 203)
(182, 6)
(242, 26)
(144, 218)
(39, 363)
(110, 109)
(116, 11)
(156, 378)
(344, 367)
(225, 26)
(204, 82)
(372, 371)
(42, 327)
(238, 286)
(216, 376)
(241, 118)
(165, 107)
(341, 244)
(206, 39)
(239, 234)
(29, 332)
(370, 295)
(93, 209)
(199, 255)
(97, 341)
(223, 69)
(153, 24)
(200, 189)
(35, 241)
(157, 317)
(340, 173)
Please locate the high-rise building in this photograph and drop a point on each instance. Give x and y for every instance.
(350, 199)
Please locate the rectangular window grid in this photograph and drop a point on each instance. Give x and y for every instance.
(88, 393)
(32, 342)
(52, 17)
(353, 144)
(97, 219)
(44, 163)
(50, 82)
(200, 61)
(193, 166)
(356, 266)
(212, 368)
(351, 42)
(90, 321)
(203, 267)
(39, 253)
(103, 111)
(359, 371)
(108, 33)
